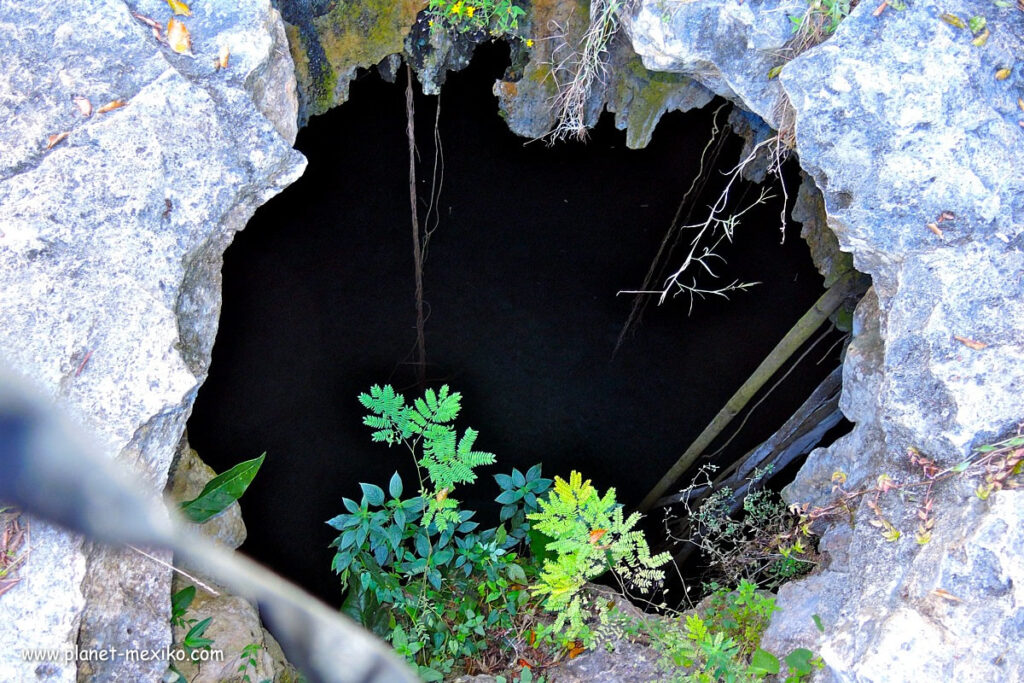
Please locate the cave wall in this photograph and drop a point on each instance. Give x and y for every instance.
(110, 299)
(110, 248)
(899, 118)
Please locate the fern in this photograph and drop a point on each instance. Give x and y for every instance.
(390, 418)
(590, 535)
(448, 460)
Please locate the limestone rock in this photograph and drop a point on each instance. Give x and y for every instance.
(638, 96)
(110, 252)
(728, 47)
(331, 40)
(901, 122)
(241, 646)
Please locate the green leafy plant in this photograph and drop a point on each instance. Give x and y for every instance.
(418, 570)
(194, 638)
(222, 491)
(448, 460)
(589, 537)
(496, 17)
(822, 18)
(720, 642)
(742, 614)
(249, 660)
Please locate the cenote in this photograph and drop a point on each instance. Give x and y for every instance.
(532, 246)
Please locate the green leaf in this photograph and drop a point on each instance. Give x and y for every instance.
(799, 661)
(193, 639)
(362, 605)
(961, 467)
(222, 491)
(817, 622)
(395, 486)
(763, 663)
(517, 478)
(181, 600)
(430, 675)
(507, 497)
(374, 494)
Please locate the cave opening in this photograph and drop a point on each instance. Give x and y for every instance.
(522, 282)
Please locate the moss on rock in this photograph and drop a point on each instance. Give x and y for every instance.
(328, 48)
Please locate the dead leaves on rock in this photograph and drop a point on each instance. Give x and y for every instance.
(178, 37)
(179, 8)
(56, 138)
(934, 226)
(83, 104)
(111, 106)
(175, 35)
(154, 26)
(13, 547)
(971, 343)
(222, 58)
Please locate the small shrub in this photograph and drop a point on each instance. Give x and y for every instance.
(589, 537)
(420, 572)
(721, 642)
(764, 543)
(496, 17)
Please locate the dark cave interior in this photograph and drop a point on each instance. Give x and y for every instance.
(521, 280)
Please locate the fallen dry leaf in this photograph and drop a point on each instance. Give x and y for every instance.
(1020, 103)
(970, 343)
(946, 595)
(83, 104)
(1002, 74)
(56, 138)
(155, 26)
(946, 216)
(953, 20)
(935, 228)
(111, 106)
(222, 58)
(178, 37)
(178, 7)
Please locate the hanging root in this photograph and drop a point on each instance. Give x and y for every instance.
(577, 68)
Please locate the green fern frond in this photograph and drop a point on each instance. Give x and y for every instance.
(590, 535)
(390, 418)
(440, 408)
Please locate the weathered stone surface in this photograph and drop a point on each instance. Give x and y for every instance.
(331, 40)
(638, 97)
(809, 211)
(234, 626)
(728, 47)
(110, 252)
(898, 118)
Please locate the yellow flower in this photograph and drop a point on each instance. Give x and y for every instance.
(529, 42)
(456, 9)
(469, 11)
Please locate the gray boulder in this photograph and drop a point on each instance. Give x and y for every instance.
(899, 120)
(110, 251)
